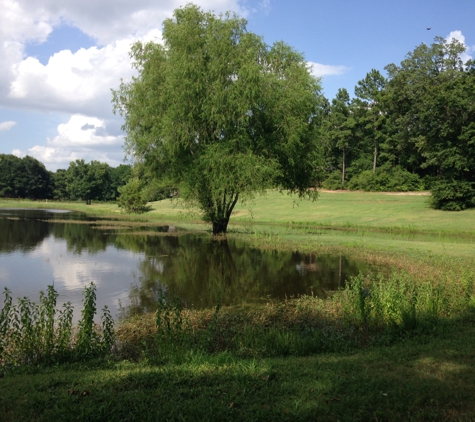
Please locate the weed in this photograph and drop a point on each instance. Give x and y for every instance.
(30, 333)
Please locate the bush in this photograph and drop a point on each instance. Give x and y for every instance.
(333, 181)
(132, 197)
(452, 195)
(395, 179)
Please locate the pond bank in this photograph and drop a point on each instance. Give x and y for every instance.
(386, 351)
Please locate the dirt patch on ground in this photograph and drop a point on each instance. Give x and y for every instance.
(422, 193)
(408, 193)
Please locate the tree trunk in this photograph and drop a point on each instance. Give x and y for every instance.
(220, 226)
(221, 219)
(343, 170)
(375, 156)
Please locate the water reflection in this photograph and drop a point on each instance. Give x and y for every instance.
(203, 272)
(38, 248)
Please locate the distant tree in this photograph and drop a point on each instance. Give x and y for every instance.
(24, 178)
(11, 176)
(88, 181)
(221, 115)
(37, 180)
(60, 184)
(340, 126)
(370, 92)
(119, 176)
(132, 197)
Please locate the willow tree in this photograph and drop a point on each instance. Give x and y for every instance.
(219, 114)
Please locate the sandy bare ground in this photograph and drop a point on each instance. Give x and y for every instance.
(422, 193)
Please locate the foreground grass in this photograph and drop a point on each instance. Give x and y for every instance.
(418, 379)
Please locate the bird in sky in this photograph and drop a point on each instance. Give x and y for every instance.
(429, 29)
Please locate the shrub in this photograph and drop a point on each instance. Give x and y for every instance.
(30, 333)
(333, 181)
(395, 179)
(452, 195)
(132, 197)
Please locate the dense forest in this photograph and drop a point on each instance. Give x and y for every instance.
(28, 178)
(413, 129)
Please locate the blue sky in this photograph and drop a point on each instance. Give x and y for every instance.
(59, 59)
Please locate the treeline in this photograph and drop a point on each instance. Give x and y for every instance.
(28, 178)
(411, 130)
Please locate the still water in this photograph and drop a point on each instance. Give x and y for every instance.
(69, 250)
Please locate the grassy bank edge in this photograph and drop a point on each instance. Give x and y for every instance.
(419, 379)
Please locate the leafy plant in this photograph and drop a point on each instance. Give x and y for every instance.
(132, 197)
(394, 179)
(452, 195)
(30, 333)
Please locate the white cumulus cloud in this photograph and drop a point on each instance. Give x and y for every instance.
(461, 38)
(4, 126)
(78, 82)
(83, 131)
(82, 137)
(319, 69)
(75, 83)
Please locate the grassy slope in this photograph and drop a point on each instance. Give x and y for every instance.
(335, 209)
(377, 210)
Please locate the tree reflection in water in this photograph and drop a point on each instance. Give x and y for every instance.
(202, 272)
(193, 267)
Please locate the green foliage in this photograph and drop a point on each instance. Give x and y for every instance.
(30, 333)
(392, 180)
(24, 178)
(60, 185)
(430, 99)
(132, 197)
(119, 176)
(399, 303)
(452, 195)
(419, 120)
(87, 181)
(87, 339)
(333, 181)
(173, 327)
(219, 114)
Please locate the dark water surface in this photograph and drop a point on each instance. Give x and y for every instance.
(42, 247)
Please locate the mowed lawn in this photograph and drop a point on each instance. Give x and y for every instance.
(409, 211)
(338, 209)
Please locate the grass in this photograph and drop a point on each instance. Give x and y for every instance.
(386, 212)
(419, 379)
(392, 223)
(392, 347)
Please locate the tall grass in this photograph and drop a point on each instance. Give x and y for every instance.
(34, 333)
(398, 302)
(368, 310)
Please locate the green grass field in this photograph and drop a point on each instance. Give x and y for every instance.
(418, 376)
(409, 212)
(376, 221)
(388, 211)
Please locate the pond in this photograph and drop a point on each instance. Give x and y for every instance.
(131, 263)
